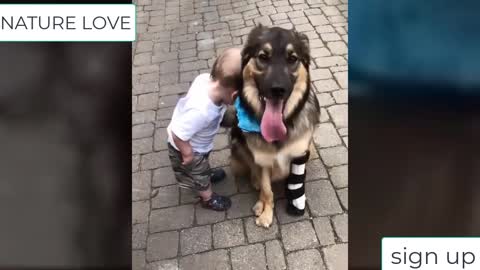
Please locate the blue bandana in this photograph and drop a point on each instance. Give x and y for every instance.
(246, 121)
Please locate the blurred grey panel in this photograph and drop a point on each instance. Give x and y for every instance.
(432, 41)
(37, 202)
(65, 149)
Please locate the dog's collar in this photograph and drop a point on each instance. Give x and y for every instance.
(246, 121)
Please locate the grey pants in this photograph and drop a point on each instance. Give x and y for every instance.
(196, 175)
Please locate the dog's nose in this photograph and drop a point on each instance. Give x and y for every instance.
(278, 91)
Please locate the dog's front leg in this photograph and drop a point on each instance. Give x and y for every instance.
(266, 197)
(295, 186)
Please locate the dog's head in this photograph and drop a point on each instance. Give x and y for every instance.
(275, 65)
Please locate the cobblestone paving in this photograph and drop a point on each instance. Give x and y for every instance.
(178, 40)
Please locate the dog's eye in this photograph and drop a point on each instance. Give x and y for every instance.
(292, 59)
(263, 57)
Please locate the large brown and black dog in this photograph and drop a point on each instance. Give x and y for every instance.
(276, 92)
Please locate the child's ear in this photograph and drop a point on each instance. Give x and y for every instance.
(234, 95)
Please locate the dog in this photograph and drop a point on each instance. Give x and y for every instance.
(277, 95)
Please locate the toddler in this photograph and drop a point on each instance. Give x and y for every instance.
(195, 122)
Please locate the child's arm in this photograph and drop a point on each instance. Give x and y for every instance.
(185, 149)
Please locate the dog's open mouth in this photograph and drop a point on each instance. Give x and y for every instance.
(272, 126)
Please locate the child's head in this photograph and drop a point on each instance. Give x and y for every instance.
(227, 71)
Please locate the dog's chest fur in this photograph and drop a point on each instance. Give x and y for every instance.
(278, 159)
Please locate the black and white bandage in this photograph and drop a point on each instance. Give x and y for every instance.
(295, 186)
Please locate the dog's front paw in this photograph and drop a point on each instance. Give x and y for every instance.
(265, 220)
(258, 208)
(293, 211)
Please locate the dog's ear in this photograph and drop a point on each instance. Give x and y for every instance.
(253, 41)
(246, 55)
(304, 44)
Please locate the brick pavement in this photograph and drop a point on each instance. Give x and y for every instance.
(178, 40)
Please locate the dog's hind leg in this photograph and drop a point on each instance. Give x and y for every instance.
(266, 196)
(247, 172)
(239, 169)
(295, 186)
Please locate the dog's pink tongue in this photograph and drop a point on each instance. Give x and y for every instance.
(272, 126)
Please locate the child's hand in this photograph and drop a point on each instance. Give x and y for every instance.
(185, 149)
(187, 158)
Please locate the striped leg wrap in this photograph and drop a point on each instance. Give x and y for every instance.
(295, 187)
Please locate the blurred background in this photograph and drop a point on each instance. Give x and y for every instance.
(414, 116)
(65, 148)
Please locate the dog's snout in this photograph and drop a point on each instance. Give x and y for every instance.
(278, 91)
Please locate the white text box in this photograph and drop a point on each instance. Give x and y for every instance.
(67, 22)
(431, 253)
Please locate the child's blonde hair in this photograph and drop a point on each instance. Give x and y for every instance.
(227, 69)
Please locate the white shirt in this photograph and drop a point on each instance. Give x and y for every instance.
(196, 118)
